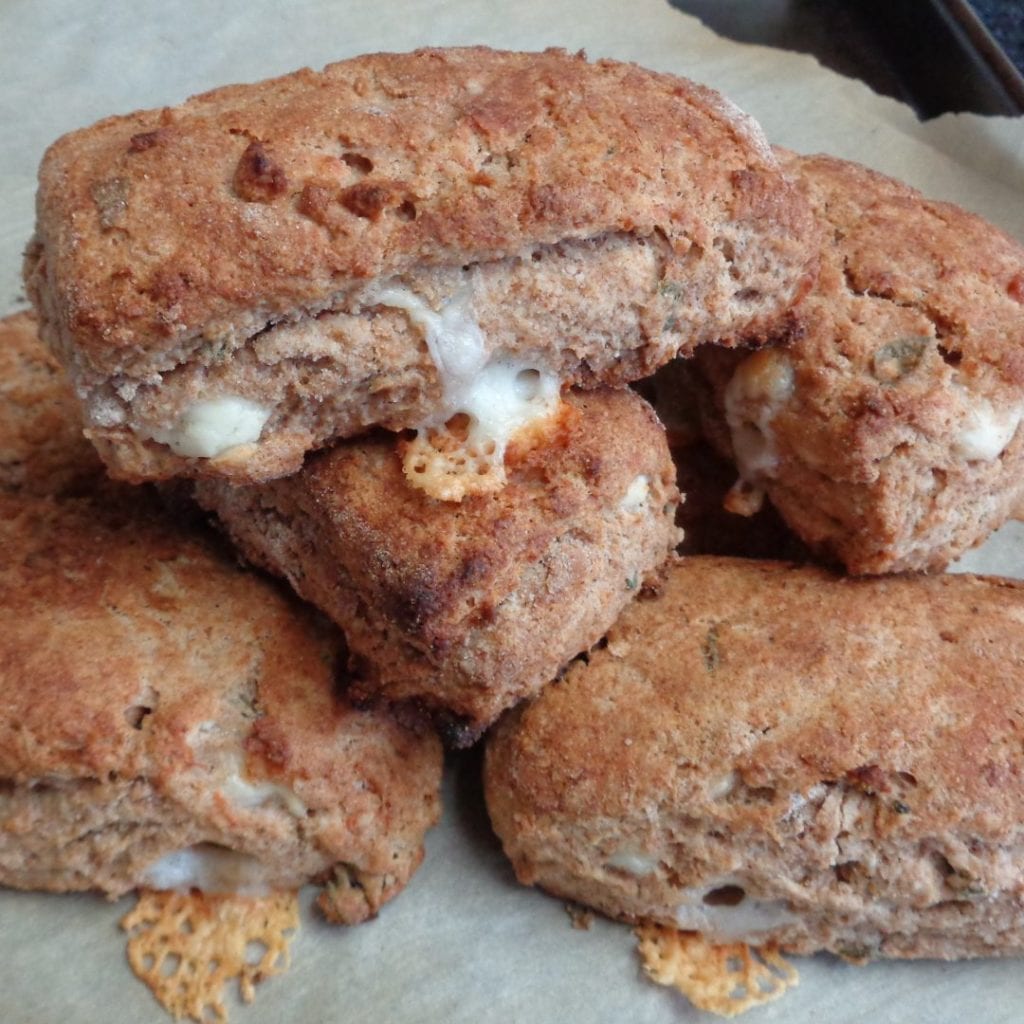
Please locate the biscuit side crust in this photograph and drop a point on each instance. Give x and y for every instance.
(42, 448)
(466, 609)
(772, 753)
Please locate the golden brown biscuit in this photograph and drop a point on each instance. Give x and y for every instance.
(42, 448)
(240, 279)
(167, 720)
(889, 434)
(767, 753)
(467, 609)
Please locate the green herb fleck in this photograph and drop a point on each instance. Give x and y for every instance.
(899, 357)
(709, 649)
(900, 807)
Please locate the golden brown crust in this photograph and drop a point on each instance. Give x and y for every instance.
(467, 608)
(141, 674)
(843, 750)
(42, 450)
(389, 166)
(899, 445)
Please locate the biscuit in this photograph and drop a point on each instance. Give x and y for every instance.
(888, 434)
(393, 240)
(465, 610)
(42, 448)
(776, 755)
(167, 720)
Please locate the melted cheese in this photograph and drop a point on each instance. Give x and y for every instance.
(719, 789)
(636, 494)
(985, 433)
(499, 397)
(209, 868)
(504, 398)
(211, 427)
(754, 396)
(251, 795)
(238, 791)
(745, 921)
(454, 339)
(632, 862)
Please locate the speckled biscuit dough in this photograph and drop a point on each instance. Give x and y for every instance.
(770, 753)
(467, 609)
(889, 433)
(168, 720)
(243, 278)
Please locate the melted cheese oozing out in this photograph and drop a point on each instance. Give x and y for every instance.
(209, 868)
(499, 396)
(745, 921)
(454, 339)
(985, 433)
(251, 795)
(754, 396)
(504, 398)
(213, 426)
(632, 862)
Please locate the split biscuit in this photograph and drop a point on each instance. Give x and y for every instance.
(888, 434)
(395, 240)
(466, 609)
(776, 755)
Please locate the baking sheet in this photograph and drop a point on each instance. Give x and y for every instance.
(464, 943)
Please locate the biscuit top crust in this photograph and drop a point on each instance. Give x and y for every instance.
(745, 683)
(254, 203)
(914, 330)
(139, 650)
(42, 449)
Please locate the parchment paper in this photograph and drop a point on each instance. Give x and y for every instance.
(464, 943)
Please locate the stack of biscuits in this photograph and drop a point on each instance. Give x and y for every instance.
(379, 324)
